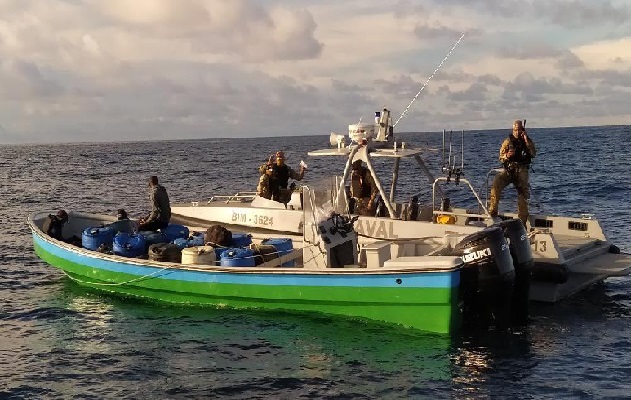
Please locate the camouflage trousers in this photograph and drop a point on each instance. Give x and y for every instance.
(364, 207)
(519, 178)
(262, 189)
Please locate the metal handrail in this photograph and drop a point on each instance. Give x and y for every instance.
(239, 196)
(482, 205)
(533, 192)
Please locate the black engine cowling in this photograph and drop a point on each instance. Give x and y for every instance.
(486, 281)
(523, 262)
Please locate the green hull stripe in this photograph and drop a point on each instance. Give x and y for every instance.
(431, 309)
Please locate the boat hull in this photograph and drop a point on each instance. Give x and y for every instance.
(421, 300)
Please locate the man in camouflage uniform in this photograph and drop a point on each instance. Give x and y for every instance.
(265, 170)
(516, 153)
(363, 189)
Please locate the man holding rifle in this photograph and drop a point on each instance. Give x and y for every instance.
(516, 153)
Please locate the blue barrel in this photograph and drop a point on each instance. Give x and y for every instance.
(153, 237)
(283, 246)
(237, 257)
(129, 244)
(220, 250)
(175, 231)
(196, 239)
(92, 238)
(181, 243)
(241, 239)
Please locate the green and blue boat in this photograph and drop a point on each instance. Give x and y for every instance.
(416, 293)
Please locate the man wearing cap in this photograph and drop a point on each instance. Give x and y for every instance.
(279, 178)
(363, 189)
(516, 153)
(160, 207)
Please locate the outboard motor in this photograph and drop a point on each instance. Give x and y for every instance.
(487, 278)
(523, 262)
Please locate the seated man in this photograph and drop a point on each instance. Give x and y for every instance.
(123, 223)
(363, 189)
(279, 178)
(54, 224)
(160, 207)
(121, 214)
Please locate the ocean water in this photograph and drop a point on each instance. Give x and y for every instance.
(58, 340)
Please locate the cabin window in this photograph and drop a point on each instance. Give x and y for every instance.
(577, 226)
(543, 223)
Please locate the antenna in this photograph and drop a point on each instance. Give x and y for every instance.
(462, 151)
(430, 78)
(443, 164)
(451, 168)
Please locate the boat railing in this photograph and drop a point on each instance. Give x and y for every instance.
(241, 197)
(534, 199)
(483, 213)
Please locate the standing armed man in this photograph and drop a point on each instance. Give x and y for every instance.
(516, 153)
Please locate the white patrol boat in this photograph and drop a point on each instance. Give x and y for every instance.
(569, 253)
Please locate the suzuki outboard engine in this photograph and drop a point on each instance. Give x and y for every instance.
(486, 280)
(523, 262)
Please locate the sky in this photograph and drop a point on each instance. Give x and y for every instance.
(117, 70)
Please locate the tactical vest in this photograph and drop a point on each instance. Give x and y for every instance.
(522, 154)
(280, 176)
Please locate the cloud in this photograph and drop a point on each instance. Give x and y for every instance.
(238, 29)
(574, 14)
(21, 80)
(579, 14)
(475, 92)
(606, 54)
(149, 69)
(568, 60)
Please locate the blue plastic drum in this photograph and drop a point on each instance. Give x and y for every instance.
(129, 244)
(195, 240)
(241, 239)
(181, 243)
(283, 246)
(153, 237)
(175, 231)
(220, 250)
(92, 238)
(237, 257)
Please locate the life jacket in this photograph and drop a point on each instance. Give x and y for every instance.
(522, 154)
(280, 177)
(360, 186)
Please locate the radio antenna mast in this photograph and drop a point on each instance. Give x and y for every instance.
(430, 78)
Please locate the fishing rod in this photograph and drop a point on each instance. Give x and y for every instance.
(430, 78)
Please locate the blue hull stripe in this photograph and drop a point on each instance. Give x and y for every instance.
(418, 280)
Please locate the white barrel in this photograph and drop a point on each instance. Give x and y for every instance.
(200, 255)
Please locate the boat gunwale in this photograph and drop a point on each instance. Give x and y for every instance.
(222, 269)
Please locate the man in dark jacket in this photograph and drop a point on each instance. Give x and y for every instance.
(160, 207)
